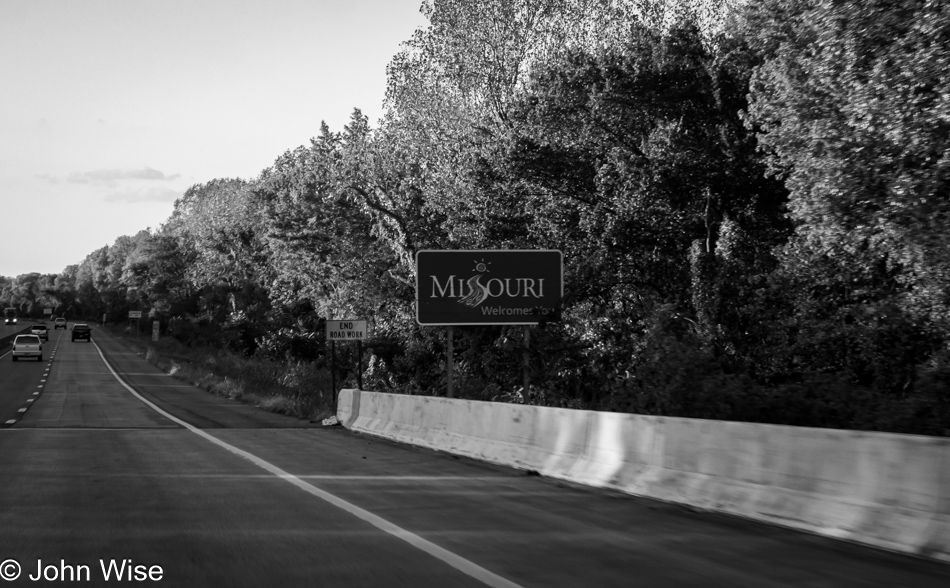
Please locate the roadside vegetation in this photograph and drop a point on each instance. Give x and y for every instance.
(294, 388)
(751, 199)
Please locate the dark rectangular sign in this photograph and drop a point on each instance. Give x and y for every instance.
(488, 287)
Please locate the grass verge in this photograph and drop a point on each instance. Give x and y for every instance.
(297, 389)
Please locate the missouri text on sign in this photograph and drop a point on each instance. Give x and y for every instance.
(488, 287)
(346, 330)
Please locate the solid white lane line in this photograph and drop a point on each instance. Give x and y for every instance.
(410, 478)
(57, 429)
(456, 561)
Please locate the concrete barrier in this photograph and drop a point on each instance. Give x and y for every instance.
(890, 491)
(7, 340)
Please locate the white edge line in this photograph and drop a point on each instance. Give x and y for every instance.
(456, 561)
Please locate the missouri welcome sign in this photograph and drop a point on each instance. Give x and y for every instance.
(488, 287)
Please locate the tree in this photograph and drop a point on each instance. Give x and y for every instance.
(851, 104)
(635, 162)
(221, 224)
(331, 232)
(156, 273)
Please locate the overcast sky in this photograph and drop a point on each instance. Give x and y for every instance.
(111, 109)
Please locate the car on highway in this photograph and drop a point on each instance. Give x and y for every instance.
(40, 330)
(9, 316)
(59, 323)
(27, 346)
(82, 331)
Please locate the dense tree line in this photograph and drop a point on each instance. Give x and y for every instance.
(751, 200)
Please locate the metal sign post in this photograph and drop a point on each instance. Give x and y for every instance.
(333, 373)
(449, 364)
(526, 375)
(137, 315)
(359, 364)
(346, 330)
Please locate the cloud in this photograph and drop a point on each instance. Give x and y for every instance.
(48, 178)
(109, 177)
(144, 195)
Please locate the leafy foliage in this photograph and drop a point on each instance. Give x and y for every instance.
(751, 199)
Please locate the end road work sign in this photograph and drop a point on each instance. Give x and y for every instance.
(488, 287)
(346, 330)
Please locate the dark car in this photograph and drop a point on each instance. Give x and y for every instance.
(82, 331)
(41, 331)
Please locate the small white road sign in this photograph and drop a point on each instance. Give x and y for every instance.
(346, 330)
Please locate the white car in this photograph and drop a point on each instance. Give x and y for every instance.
(59, 323)
(41, 331)
(27, 346)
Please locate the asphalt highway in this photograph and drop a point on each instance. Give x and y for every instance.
(118, 466)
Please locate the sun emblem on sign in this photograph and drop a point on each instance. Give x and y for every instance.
(482, 266)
